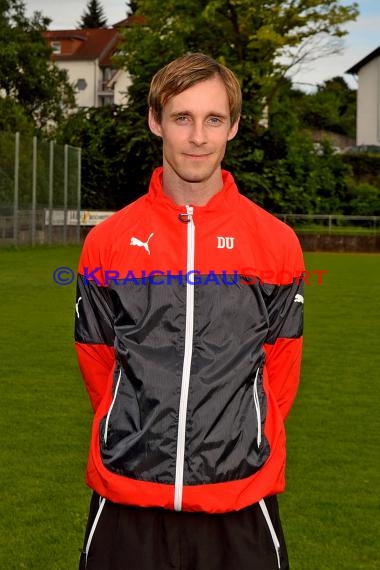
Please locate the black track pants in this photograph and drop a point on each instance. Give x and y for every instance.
(132, 538)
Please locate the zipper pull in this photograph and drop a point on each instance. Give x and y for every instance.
(186, 217)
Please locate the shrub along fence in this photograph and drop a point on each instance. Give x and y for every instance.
(337, 233)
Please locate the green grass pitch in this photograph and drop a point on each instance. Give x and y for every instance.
(330, 509)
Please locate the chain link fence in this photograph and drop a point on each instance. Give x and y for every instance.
(332, 224)
(40, 191)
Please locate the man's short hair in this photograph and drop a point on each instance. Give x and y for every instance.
(186, 71)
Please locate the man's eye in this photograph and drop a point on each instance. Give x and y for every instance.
(215, 120)
(182, 119)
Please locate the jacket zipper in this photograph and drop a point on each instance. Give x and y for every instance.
(181, 436)
(257, 407)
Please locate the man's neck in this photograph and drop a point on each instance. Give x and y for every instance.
(183, 192)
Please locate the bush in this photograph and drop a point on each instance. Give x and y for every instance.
(365, 167)
(284, 173)
(364, 200)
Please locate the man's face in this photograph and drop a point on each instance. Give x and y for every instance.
(195, 127)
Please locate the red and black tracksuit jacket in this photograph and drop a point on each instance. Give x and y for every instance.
(188, 333)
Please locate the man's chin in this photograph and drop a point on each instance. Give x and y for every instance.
(195, 177)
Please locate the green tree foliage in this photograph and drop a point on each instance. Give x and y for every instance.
(256, 39)
(34, 91)
(13, 117)
(117, 154)
(363, 196)
(332, 108)
(291, 173)
(283, 172)
(93, 16)
(363, 200)
(365, 166)
(276, 166)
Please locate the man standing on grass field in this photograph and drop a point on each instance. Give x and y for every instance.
(188, 333)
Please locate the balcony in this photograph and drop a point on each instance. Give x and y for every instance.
(104, 89)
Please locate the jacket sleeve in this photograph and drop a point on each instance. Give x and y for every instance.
(283, 346)
(94, 332)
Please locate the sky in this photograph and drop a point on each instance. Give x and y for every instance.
(363, 35)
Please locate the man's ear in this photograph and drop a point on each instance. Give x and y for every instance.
(154, 125)
(234, 129)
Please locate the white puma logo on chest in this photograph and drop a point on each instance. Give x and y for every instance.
(139, 243)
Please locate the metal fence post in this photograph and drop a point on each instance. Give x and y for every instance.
(79, 183)
(16, 188)
(65, 189)
(34, 190)
(51, 185)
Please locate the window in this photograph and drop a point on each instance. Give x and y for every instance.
(107, 73)
(108, 100)
(81, 84)
(56, 47)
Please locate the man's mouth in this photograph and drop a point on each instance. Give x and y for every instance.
(196, 156)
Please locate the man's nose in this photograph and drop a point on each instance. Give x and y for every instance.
(198, 133)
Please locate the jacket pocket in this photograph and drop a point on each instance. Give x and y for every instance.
(256, 401)
(133, 434)
(107, 418)
(229, 442)
(122, 421)
(260, 406)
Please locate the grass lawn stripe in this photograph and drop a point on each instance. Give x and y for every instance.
(331, 506)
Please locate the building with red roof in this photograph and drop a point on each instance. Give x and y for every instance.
(86, 55)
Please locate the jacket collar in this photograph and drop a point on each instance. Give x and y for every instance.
(225, 199)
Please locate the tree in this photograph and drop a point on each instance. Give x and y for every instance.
(256, 39)
(117, 154)
(132, 6)
(363, 200)
(28, 79)
(259, 40)
(332, 108)
(276, 166)
(13, 117)
(282, 171)
(93, 16)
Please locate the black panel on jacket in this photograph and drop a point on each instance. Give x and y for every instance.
(230, 326)
(94, 313)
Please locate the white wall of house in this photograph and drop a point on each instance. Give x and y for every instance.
(120, 86)
(89, 72)
(368, 112)
(95, 93)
